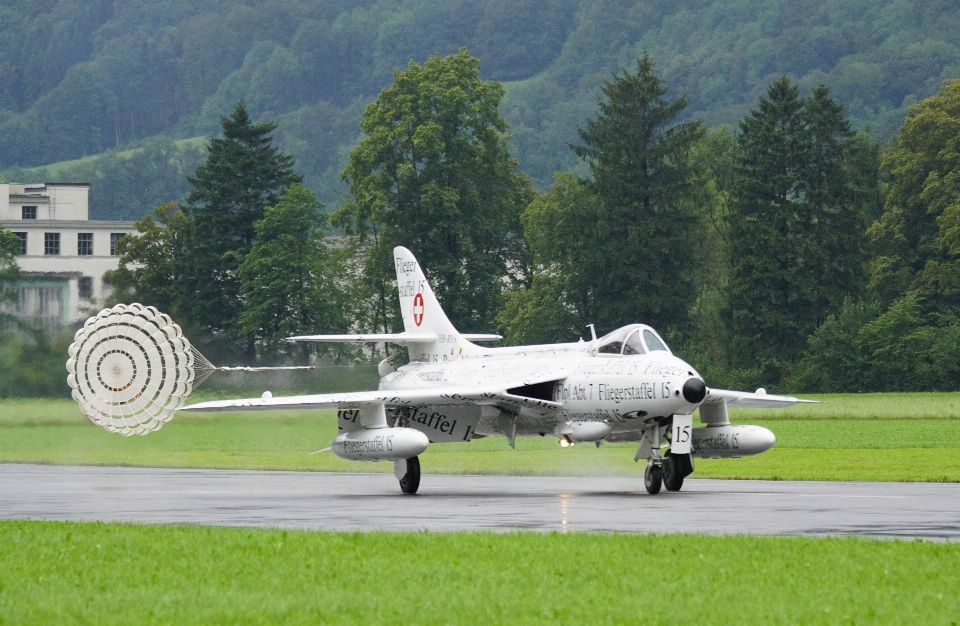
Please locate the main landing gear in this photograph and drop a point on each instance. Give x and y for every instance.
(408, 473)
(669, 473)
(652, 479)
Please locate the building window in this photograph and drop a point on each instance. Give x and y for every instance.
(85, 286)
(114, 240)
(23, 242)
(51, 243)
(29, 213)
(85, 244)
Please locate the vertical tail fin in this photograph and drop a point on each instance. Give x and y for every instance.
(422, 313)
(421, 310)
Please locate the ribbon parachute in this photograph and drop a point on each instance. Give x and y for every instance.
(131, 368)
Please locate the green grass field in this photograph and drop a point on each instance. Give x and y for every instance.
(889, 437)
(57, 572)
(66, 573)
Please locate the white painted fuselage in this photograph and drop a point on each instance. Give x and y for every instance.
(624, 386)
(619, 390)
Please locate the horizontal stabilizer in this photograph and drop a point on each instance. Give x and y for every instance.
(403, 339)
(481, 337)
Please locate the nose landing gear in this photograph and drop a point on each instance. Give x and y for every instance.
(676, 467)
(669, 473)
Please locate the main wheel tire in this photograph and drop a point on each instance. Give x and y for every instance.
(411, 480)
(652, 479)
(672, 473)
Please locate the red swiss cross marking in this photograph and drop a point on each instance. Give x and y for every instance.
(418, 309)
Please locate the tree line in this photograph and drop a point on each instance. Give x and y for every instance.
(789, 252)
(103, 77)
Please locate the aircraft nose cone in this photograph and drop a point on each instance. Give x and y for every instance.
(694, 391)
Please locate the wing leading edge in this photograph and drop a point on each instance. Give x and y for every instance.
(744, 399)
(466, 396)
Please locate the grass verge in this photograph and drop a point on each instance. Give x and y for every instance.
(864, 441)
(64, 573)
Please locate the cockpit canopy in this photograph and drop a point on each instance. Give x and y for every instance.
(632, 339)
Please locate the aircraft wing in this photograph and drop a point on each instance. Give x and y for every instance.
(437, 396)
(745, 399)
(403, 339)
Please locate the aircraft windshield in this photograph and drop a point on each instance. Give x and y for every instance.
(633, 344)
(653, 342)
(610, 348)
(631, 340)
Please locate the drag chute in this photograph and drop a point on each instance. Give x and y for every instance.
(131, 368)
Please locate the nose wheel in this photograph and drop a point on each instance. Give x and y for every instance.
(672, 476)
(676, 467)
(652, 479)
(408, 473)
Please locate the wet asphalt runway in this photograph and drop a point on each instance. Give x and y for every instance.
(334, 501)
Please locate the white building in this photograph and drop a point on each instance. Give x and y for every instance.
(63, 252)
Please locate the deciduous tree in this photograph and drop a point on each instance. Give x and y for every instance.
(917, 239)
(293, 283)
(150, 270)
(562, 229)
(433, 173)
(9, 271)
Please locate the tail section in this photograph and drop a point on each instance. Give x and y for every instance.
(422, 314)
(421, 310)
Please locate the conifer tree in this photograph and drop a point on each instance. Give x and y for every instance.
(835, 201)
(244, 173)
(795, 225)
(764, 224)
(643, 179)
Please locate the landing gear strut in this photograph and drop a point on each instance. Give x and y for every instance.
(667, 470)
(652, 479)
(408, 473)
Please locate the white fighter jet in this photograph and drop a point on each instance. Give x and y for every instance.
(624, 386)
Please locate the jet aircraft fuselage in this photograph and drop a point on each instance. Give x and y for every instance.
(624, 386)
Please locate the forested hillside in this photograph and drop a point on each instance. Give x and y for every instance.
(84, 77)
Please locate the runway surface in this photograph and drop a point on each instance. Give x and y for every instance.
(335, 501)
